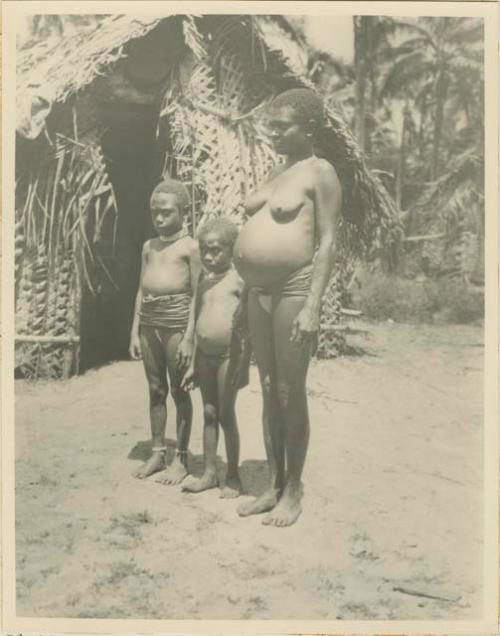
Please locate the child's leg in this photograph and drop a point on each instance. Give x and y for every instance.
(177, 470)
(155, 368)
(227, 398)
(207, 381)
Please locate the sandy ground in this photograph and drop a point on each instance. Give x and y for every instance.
(393, 497)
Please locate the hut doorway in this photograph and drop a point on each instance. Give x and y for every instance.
(134, 157)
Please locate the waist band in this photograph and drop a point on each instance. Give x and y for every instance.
(298, 283)
(170, 311)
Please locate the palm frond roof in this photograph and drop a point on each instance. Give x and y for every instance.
(56, 71)
(67, 65)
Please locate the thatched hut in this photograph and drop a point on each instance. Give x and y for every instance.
(101, 116)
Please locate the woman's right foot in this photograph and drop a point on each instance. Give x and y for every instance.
(154, 464)
(205, 482)
(288, 509)
(264, 503)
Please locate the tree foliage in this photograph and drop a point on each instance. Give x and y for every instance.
(415, 98)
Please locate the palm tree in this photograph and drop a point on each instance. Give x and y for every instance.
(438, 70)
(441, 57)
(372, 45)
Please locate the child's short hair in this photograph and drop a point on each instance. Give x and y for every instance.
(226, 229)
(172, 186)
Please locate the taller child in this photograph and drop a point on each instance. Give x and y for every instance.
(163, 327)
(284, 254)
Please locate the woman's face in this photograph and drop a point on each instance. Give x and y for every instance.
(287, 133)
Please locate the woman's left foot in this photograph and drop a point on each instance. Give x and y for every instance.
(287, 510)
(232, 488)
(173, 474)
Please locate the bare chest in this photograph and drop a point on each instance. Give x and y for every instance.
(167, 257)
(286, 198)
(219, 296)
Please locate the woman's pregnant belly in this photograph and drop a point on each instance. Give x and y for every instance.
(267, 252)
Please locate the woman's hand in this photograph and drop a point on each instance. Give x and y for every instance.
(184, 353)
(305, 325)
(135, 347)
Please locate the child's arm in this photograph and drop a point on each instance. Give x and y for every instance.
(186, 346)
(135, 343)
(189, 381)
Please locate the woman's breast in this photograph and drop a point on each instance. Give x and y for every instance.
(272, 245)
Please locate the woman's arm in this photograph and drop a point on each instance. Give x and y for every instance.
(327, 196)
(328, 201)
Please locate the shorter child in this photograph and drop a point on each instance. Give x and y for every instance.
(217, 373)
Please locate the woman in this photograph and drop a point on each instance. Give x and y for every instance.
(284, 254)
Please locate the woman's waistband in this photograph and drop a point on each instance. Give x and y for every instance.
(298, 283)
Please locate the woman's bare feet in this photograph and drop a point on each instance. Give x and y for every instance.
(174, 473)
(232, 487)
(155, 463)
(288, 509)
(256, 506)
(205, 482)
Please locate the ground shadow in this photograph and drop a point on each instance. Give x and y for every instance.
(253, 473)
(355, 350)
(254, 476)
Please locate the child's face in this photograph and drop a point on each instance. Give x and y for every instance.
(215, 254)
(166, 213)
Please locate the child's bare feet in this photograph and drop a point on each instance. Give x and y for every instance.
(288, 509)
(205, 482)
(155, 463)
(173, 474)
(256, 506)
(232, 487)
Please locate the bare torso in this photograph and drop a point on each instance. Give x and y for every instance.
(217, 303)
(279, 237)
(166, 267)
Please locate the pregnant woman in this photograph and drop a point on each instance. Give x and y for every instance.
(284, 254)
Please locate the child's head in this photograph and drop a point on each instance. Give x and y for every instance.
(217, 238)
(169, 202)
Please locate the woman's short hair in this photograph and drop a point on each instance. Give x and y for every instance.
(223, 227)
(306, 104)
(177, 188)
